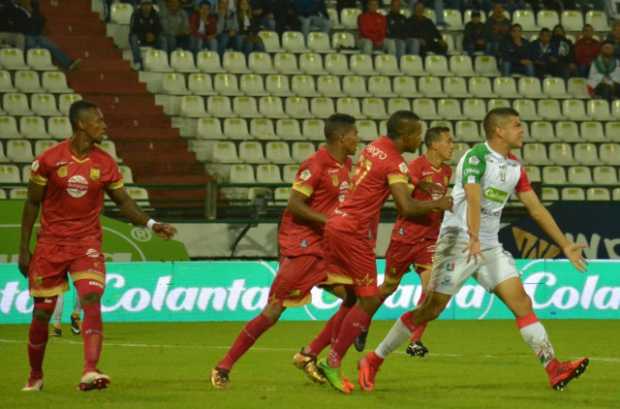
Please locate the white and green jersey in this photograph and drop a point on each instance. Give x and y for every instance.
(498, 177)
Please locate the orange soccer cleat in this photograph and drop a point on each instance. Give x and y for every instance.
(368, 367)
(561, 373)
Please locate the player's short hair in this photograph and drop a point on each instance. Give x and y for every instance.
(76, 109)
(433, 134)
(337, 124)
(495, 117)
(396, 124)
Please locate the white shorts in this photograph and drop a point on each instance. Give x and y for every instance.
(451, 269)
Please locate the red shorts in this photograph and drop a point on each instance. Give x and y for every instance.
(295, 279)
(352, 257)
(47, 273)
(400, 256)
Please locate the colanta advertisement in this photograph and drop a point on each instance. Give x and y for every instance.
(238, 290)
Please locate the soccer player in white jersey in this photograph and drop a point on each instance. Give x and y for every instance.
(468, 245)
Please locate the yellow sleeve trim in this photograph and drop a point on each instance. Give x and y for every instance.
(39, 180)
(392, 179)
(116, 185)
(303, 189)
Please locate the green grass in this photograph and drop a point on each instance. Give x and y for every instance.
(473, 364)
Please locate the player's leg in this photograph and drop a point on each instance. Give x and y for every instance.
(416, 347)
(37, 340)
(512, 293)
(57, 316)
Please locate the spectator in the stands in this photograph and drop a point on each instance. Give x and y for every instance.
(175, 25)
(515, 54)
(34, 28)
(474, 39)
(263, 13)
(248, 29)
(438, 5)
(604, 78)
(497, 29)
(398, 40)
(203, 29)
(312, 16)
(540, 54)
(372, 29)
(285, 16)
(562, 53)
(189, 6)
(586, 50)
(227, 26)
(144, 30)
(13, 19)
(614, 38)
(424, 30)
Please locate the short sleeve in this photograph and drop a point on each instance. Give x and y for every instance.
(307, 178)
(113, 179)
(474, 165)
(523, 185)
(398, 173)
(39, 171)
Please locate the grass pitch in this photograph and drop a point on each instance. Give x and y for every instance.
(473, 364)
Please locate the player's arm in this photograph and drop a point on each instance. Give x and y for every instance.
(29, 216)
(407, 207)
(299, 208)
(473, 197)
(547, 223)
(132, 211)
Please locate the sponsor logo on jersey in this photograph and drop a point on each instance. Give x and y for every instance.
(495, 195)
(95, 174)
(35, 166)
(77, 186)
(331, 171)
(403, 167)
(375, 152)
(305, 175)
(92, 253)
(62, 171)
(303, 244)
(473, 160)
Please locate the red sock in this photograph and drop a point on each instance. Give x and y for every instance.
(355, 322)
(92, 329)
(248, 336)
(406, 320)
(416, 335)
(329, 333)
(37, 335)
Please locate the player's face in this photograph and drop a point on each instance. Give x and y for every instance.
(413, 137)
(349, 140)
(444, 146)
(93, 125)
(512, 132)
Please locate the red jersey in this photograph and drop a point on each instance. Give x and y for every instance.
(379, 166)
(325, 181)
(427, 226)
(73, 197)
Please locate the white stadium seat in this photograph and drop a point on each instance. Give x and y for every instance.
(579, 175)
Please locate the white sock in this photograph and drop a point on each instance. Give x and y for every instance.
(398, 334)
(57, 315)
(536, 337)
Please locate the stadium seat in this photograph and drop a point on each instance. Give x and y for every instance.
(234, 62)
(405, 86)
(10, 174)
(16, 104)
(286, 63)
(287, 129)
(380, 86)
(348, 18)
(615, 109)
(598, 20)
(573, 194)
(334, 18)
(449, 109)
(278, 152)
(219, 106)
(27, 81)
(174, 84)
(526, 109)
(554, 88)
(437, 65)
(304, 86)
(209, 62)
(386, 64)
(302, 150)
(467, 131)
(480, 87)
(354, 86)
(55, 82)
(120, 13)
(182, 61)
(8, 127)
(568, 131)
(561, 154)
(542, 131)
(293, 41)
(535, 154)
(252, 85)
(597, 194)
(574, 110)
(461, 66)
(251, 152)
(497, 103)
(443, 124)
(474, 108)
(610, 154)
(553, 175)
(59, 127)
(40, 59)
(44, 104)
(297, 107)
(271, 41)
(18, 193)
(319, 42)
(529, 87)
(526, 19)
(430, 86)
(455, 87)
(430, 13)
(226, 84)
(289, 172)
(454, 19)
(616, 194)
(605, 175)
(425, 108)
(505, 87)
(127, 174)
(374, 108)
(577, 88)
(533, 173)
(12, 59)
(192, 106)
(156, 61)
(367, 130)
(549, 109)
(459, 151)
(26, 171)
(579, 175)
(224, 152)
(33, 127)
(412, 65)
(281, 195)
(242, 173)
(486, 66)
(18, 150)
(200, 84)
(209, 128)
(278, 85)
(550, 194)
(361, 64)
(322, 107)
(336, 64)
(262, 128)
(236, 128)
(612, 131)
(260, 63)
(109, 146)
(592, 131)
(467, 16)
(6, 83)
(548, 19)
(343, 40)
(311, 63)
(271, 107)
(598, 109)
(41, 146)
(313, 129)
(350, 106)
(572, 20)
(139, 195)
(268, 174)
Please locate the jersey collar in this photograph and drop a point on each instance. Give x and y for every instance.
(494, 152)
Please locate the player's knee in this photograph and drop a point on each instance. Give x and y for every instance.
(43, 308)
(370, 304)
(273, 310)
(90, 298)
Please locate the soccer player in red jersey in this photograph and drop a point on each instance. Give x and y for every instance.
(320, 185)
(350, 232)
(67, 182)
(413, 240)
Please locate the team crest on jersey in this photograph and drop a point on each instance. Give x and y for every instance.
(77, 186)
(473, 160)
(305, 175)
(335, 180)
(403, 167)
(95, 174)
(62, 171)
(35, 166)
(304, 244)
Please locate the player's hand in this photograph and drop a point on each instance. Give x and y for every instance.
(445, 203)
(433, 189)
(473, 250)
(574, 254)
(164, 230)
(24, 262)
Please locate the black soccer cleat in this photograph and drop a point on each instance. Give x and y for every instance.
(360, 341)
(417, 348)
(75, 324)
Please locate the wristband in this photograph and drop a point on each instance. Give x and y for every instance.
(151, 223)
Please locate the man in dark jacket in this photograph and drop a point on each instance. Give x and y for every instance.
(312, 16)
(515, 54)
(398, 38)
(424, 30)
(144, 30)
(13, 20)
(474, 40)
(497, 29)
(541, 55)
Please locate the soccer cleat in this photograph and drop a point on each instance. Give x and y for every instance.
(220, 378)
(367, 369)
(33, 385)
(561, 373)
(93, 380)
(56, 331)
(417, 348)
(360, 341)
(75, 324)
(307, 363)
(334, 377)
